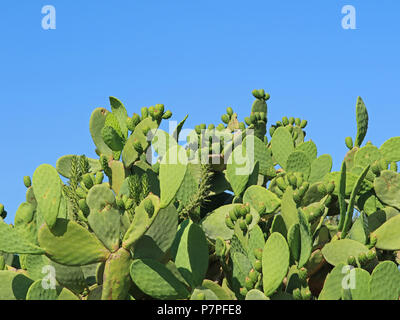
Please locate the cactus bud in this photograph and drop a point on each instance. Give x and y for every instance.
(159, 108)
(3, 213)
(253, 275)
(322, 188)
(229, 111)
(99, 178)
(291, 120)
(258, 265)
(84, 207)
(351, 260)
(87, 180)
(280, 182)
(303, 124)
(135, 119)
(271, 131)
(371, 255)
(306, 294)
(242, 225)
(27, 181)
(145, 112)
(148, 207)
(285, 121)
(137, 146)
(258, 94)
(249, 219)
(243, 211)
(303, 274)
(297, 121)
(349, 142)
(362, 258)
(225, 118)
(297, 294)
(330, 187)
(130, 124)
(243, 291)
(383, 164)
(248, 283)
(258, 253)
(267, 96)
(229, 223)
(279, 124)
(247, 120)
(292, 180)
(233, 215)
(167, 114)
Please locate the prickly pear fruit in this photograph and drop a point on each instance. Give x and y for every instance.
(27, 181)
(229, 111)
(225, 118)
(349, 142)
(167, 114)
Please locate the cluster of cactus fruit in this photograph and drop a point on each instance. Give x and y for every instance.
(127, 226)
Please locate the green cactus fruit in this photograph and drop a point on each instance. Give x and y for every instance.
(297, 294)
(271, 130)
(285, 121)
(280, 182)
(351, 260)
(349, 143)
(159, 108)
(248, 219)
(303, 124)
(225, 118)
(247, 120)
(371, 255)
(258, 94)
(258, 265)
(233, 214)
(99, 178)
(229, 111)
(27, 181)
(362, 258)
(243, 291)
(258, 253)
(87, 180)
(3, 213)
(291, 120)
(253, 118)
(249, 284)
(149, 207)
(383, 164)
(229, 223)
(297, 121)
(144, 112)
(330, 187)
(242, 224)
(167, 114)
(385, 281)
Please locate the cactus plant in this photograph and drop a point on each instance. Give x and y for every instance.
(253, 220)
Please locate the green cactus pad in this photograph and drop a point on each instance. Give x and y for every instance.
(66, 294)
(63, 244)
(158, 239)
(275, 262)
(289, 209)
(116, 282)
(203, 294)
(320, 167)
(118, 175)
(241, 267)
(69, 277)
(390, 150)
(332, 289)
(97, 122)
(388, 234)
(13, 286)
(255, 294)
(298, 161)
(359, 230)
(155, 280)
(219, 291)
(294, 241)
(13, 241)
(257, 150)
(141, 222)
(367, 155)
(172, 172)
(34, 266)
(120, 114)
(37, 292)
(63, 165)
(385, 281)
(282, 146)
(214, 223)
(360, 291)
(387, 188)
(47, 187)
(306, 241)
(278, 225)
(351, 180)
(239, 168)
(338, 251)
(309, 148)
(263, 200)
(362, 122)
(189, 184)
(192, 255)
(255, 241)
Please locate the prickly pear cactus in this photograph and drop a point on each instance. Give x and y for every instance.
(233, 214)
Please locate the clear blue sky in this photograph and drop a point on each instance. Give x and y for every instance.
(196, 57)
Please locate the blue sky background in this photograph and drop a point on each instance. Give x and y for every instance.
(196, 57)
